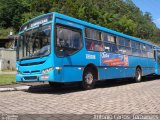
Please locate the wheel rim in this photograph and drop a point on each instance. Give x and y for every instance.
(89, 78)
(138, 75)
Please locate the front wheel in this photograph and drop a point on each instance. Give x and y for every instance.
(138, 75)
(89, 79)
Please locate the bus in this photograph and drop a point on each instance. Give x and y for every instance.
(60, 49)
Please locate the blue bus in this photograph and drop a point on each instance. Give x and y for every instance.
(59, 49)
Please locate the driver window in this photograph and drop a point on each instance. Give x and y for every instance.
(68, 40)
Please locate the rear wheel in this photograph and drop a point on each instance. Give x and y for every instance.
(138, 75)
(89, 79)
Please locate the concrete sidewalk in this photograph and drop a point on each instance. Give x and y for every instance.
(9, 72)
(14, 88)
(19, 86)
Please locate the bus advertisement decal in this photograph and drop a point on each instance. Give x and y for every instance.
(114, 59)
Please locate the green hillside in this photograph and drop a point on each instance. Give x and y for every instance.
(119, 15)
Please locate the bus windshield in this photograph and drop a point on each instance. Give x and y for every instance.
(35, 43)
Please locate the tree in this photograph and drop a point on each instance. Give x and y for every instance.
(10, 13)
(5, 32)
(119, 15)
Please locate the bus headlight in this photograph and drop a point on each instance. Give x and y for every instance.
(47, 70)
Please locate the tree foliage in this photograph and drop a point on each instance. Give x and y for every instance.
(119, 15)
(5, 32)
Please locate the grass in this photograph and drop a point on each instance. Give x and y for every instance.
(7, 79)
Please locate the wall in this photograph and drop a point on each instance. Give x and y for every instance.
(7, 59)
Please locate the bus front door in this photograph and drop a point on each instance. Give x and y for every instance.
(69, 51)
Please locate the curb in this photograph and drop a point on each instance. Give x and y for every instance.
(20, 88)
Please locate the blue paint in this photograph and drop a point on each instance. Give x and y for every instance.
(71, 67)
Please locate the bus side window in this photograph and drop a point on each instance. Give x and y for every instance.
(114, 48)
(124, 45)
(90, 45)
(99, 46)
(109, 42)
(93, 40)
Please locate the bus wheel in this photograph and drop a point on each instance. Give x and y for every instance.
(55, 85)
(89, 79)
(138, 75)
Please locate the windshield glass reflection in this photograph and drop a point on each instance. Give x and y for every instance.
(35, 43)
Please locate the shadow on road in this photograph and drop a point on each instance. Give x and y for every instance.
(69, 88)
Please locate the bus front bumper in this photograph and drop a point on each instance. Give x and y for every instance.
(34, 77)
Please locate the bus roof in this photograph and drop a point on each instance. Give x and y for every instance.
(87, 24)
(97, 27)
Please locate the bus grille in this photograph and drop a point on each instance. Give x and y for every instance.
(31, 78)
(30, 72)
(34, 63)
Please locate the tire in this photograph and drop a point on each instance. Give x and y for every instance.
(89, 79)
(138, 75)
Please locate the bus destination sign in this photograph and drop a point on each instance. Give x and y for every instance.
(37, 22)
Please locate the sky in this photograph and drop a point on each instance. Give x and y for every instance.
(152, 6)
